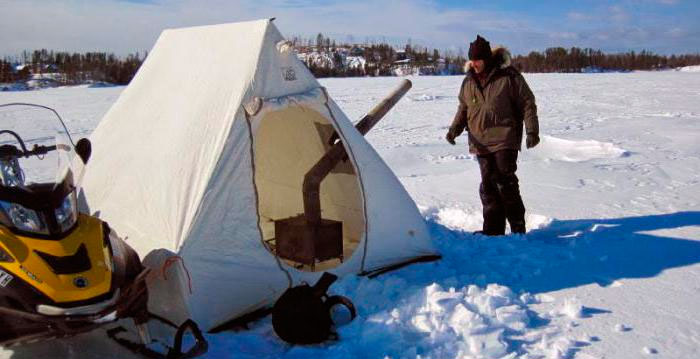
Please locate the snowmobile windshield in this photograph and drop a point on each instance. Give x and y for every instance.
(40, 170)
(37, 127)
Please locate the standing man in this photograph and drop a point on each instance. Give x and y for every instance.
(494, 103)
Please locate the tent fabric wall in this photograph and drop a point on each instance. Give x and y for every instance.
(232, 271)
(173, 167)
(156, 149)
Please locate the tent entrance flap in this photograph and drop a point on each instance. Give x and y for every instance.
(287, 143)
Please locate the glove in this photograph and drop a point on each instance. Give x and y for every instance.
(450, 138)
(532, 140)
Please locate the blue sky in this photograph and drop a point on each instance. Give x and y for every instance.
(124, 26)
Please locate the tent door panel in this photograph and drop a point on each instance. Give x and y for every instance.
(287, 143)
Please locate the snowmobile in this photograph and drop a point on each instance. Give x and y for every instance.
(61, 272)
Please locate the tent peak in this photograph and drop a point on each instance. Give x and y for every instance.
(221, 25)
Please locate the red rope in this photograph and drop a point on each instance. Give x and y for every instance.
(169, 261)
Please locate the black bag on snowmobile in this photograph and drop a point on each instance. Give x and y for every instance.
(302, 315)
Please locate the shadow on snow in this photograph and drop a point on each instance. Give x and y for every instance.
(565, 254)
(569, 253)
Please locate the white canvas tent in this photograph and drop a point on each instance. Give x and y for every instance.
(208, 146)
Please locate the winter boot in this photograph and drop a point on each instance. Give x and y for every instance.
(518, 227)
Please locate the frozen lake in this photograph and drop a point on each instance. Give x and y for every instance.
(611, 265)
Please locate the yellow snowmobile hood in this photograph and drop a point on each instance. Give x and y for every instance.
(35, 261)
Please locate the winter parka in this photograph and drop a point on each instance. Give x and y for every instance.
(493, 115)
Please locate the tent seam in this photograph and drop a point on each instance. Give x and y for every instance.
(359, 177)
(257, 200)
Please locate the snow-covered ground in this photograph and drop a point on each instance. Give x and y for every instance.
(695, 68)
(610, 267)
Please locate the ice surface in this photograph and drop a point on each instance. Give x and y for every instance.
(610, 263)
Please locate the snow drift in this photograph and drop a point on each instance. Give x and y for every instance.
(552, 148)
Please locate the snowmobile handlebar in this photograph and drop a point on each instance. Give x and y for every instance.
(39, 150)
(14, 152)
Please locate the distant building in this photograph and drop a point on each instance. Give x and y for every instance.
(355, 62)
(401, 55)
(20, 67)
(357, 51)
(355, 59)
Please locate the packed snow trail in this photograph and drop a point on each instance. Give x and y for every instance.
(611, 264)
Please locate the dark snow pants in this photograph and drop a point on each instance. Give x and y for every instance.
(500, 193)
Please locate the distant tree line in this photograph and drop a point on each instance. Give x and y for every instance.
(72, 68)
(380, 59)
(558, 59)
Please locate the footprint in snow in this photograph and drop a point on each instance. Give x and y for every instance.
(620, 328)
(649, 351)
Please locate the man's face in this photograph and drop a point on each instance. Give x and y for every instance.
(478, 66)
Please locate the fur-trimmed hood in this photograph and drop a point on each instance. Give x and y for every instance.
(500, 57)
(494, 107)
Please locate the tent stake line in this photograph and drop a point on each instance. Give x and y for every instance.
(378, 272)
